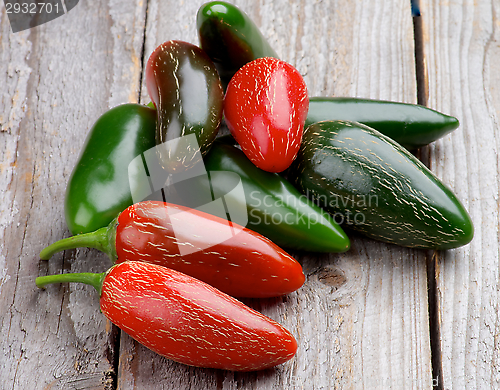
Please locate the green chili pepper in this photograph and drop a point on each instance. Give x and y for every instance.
(275, 208)
(230, 38)
(99, 189)
(378, 187)
(411, 125)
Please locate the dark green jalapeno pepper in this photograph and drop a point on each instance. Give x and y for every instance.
(411, 125)
(230, 38)
(99, 189)
(185, 88)
(378, 188)
(275, 208)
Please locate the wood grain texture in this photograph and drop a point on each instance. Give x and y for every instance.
(361, 319)
(462, 56)
(56, 80)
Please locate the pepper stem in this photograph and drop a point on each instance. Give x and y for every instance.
(95, 239)
(101, 239)
(94, 280)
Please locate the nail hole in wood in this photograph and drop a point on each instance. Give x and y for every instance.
(332, 278)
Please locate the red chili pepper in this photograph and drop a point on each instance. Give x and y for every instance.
(184, 319)
(245, 265)
(265, 108)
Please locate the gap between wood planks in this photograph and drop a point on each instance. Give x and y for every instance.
(432, 257)
(143, 52)
(115, 334)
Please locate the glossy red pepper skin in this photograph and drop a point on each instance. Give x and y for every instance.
(245, 265)
(186, 320)
(185, 88)
(265, 109)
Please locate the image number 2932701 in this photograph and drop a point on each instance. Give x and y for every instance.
(25, 14)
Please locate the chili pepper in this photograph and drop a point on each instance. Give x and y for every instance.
(234, 259)
(230, 38)
(378, 187)
(265, 108)
(411, 125)
(185, 88)
(276, 209)
(184, 319)
(99, 189)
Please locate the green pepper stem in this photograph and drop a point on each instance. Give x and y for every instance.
(94, 280)
(99, 239)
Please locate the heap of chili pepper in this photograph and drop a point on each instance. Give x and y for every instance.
(369, 174)
(340, 159)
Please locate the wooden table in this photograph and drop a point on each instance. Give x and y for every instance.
(376, 317)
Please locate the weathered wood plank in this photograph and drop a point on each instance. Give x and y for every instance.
(462, 55)
(361, 319)
(56, 80)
